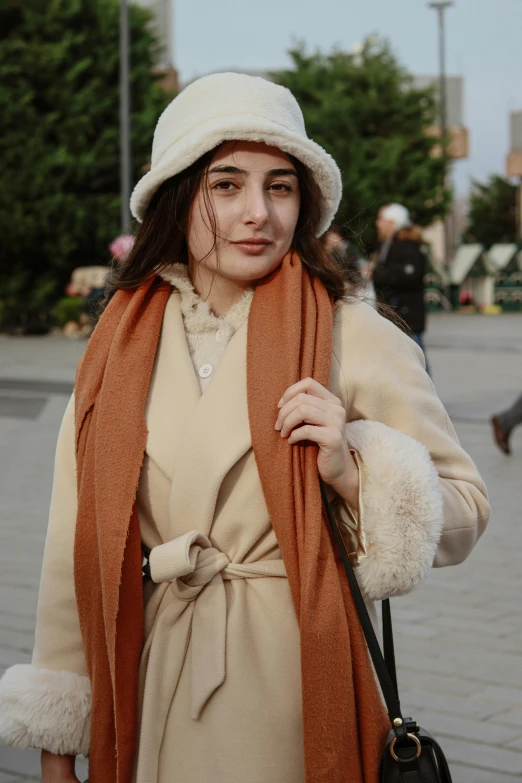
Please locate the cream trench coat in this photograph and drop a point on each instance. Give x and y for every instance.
(220, 693)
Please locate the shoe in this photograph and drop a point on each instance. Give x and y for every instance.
(501, 435)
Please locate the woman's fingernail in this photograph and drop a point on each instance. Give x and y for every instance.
(277, 426)
(281, 402)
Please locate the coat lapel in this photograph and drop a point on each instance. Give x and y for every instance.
(216, 437)
(174, 391)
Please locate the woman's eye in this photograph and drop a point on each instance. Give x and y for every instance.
(281, 187)
(225, 185)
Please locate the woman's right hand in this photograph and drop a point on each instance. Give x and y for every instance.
(57, 769)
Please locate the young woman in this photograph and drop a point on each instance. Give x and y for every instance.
(215, 390)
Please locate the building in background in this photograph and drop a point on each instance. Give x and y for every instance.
(514, 162)
(458, 149)
(162, 24)
(459, 136)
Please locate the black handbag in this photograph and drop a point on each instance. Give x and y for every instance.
(411, 754)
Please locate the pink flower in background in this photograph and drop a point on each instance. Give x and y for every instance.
(72, 290)
(121, 246)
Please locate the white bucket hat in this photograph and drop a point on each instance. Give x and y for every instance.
(227, 107)
(399, 215)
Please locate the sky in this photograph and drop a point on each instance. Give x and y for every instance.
(483, 44)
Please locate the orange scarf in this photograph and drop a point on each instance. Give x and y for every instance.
(289, 337)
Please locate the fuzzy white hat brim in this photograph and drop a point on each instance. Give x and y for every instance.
(212, 133)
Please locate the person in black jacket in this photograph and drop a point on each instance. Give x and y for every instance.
(399, 268)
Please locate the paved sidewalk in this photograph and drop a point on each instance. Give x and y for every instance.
(459, 636)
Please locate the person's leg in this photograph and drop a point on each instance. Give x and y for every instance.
(504, 423)
(513, 416)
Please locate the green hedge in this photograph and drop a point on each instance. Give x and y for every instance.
(67, 309)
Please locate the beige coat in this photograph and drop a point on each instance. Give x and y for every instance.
(220, 679)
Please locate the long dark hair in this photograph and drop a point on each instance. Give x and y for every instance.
(161, 237)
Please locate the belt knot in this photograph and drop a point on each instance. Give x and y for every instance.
(188, 562)
(196, 570)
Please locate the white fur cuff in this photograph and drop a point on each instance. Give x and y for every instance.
(402, 509)
(41, 708)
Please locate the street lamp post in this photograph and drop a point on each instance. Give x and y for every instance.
(125, 138)
(440, 6)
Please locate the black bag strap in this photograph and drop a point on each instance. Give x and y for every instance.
(388, 646)
(387, 678)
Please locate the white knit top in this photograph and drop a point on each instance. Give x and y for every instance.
(207, 334)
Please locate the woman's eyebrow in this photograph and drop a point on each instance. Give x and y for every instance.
(282, 172)
(234, 170)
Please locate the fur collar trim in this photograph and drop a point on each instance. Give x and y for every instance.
(197, 315)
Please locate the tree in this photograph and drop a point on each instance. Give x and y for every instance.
(59, 134)
(364, 109)
(493, 212)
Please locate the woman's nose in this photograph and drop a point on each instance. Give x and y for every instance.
(256, 208)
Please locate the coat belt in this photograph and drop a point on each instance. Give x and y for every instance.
(196, 571)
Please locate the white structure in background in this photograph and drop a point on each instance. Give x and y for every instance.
(505, 261)
(471, 265)
(162, 23)
(490, 277)
(502, 256)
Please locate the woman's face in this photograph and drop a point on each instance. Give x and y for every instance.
(385, 228)
(253, 191)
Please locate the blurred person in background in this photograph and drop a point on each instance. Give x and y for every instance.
(504, 423)
(350, 259)
(399, 268)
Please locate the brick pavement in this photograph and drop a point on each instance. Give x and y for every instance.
(459, 636)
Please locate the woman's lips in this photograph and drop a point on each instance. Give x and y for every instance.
(252, 248)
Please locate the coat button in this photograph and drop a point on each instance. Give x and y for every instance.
(205, 371)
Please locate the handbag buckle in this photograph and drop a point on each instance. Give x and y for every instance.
(414, 738)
